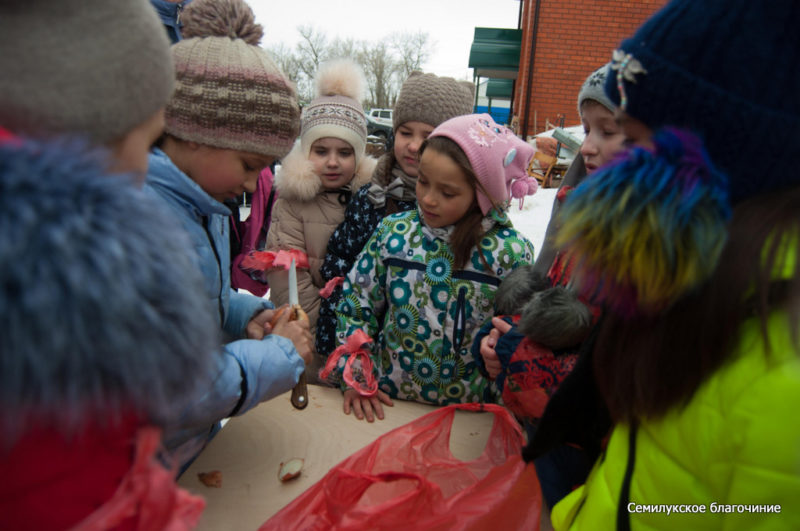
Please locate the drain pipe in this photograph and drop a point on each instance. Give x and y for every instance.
(529, 81)
(511, 109)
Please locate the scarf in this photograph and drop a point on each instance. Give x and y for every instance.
(401, 187)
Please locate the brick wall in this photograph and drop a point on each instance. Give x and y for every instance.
(574, 38)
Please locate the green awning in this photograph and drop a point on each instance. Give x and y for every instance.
(499, 88)
(495, 52)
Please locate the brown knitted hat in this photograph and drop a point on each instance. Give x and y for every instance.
(229, 93)
(90, 67)
(430, 99)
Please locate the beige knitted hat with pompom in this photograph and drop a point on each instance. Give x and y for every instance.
(336, 111)
(229, 93)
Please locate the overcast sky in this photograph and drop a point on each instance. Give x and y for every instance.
(450, 23)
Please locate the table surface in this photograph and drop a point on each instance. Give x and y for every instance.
(249, 450)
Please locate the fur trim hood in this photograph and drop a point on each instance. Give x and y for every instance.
(96, 291)
(296, 180)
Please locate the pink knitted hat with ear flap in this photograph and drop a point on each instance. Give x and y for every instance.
(499, 159)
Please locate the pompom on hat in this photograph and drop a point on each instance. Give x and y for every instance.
(646, 230)
(88, 67)
(728, 70)
(229, 93)
(431, 99)
(336, 111)
(500, 160)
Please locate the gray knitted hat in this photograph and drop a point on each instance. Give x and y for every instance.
(229, 93)
(93, 67)
(594, 89)
(336, 111)
(430, 99)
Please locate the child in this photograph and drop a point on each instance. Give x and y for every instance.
(206, 156)
(317, 178)
(425, 101)
(95, 359)
(604, 140)
(694, 258)
(425, 282)
(533, 343)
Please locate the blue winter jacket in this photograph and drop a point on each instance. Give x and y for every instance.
(249, 371)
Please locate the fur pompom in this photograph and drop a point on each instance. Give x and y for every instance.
(341, 77)
(101, 312)
(556, 318)
(646, 230)
(517, 288)
(221, 18)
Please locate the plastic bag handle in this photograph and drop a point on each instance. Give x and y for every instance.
(351, 486)
(505, 427)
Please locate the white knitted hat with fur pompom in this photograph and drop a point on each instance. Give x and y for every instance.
(336, 111)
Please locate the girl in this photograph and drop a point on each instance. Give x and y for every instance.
(205, 157)
(426, 280)
(425, 101)
(317, 178)
(696, 363)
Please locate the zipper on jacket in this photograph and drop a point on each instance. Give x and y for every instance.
(460, 321)
(219, 270)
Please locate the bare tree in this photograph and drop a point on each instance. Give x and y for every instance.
(379, 68)
(311, 50)
(413, 51)
(344, 48)
(386, 64)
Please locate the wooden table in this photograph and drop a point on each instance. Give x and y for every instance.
(249, 449)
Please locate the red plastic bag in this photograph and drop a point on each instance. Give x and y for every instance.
(409, 479)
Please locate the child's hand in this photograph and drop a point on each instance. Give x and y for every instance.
(369, 406)
(298, 332)
(490, 359)
(259, 325)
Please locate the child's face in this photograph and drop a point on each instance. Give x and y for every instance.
(130, 152)
(225, 173)
(407, 141)
(444, 193)
(604, 136)
(334, 162)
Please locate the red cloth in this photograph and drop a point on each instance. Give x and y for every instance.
(105, 477)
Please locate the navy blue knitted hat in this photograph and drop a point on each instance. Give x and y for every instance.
(728, 70)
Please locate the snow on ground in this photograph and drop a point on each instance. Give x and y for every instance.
(532, 220)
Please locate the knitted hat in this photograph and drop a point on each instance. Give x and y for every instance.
(728, 70)
(499, 159)
(336, 111)
(93, 67)
(594, 89)
(432, 100)
(229, 93)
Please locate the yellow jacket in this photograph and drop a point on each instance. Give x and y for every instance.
(734, 449)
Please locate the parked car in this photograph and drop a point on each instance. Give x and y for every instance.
(377, 129)
(381, 116)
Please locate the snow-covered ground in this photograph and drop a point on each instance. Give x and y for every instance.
(531, 220)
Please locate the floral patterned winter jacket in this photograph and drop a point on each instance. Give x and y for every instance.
(421, 313)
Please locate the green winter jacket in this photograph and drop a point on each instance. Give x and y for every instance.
(422, 313)
(733, 451)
